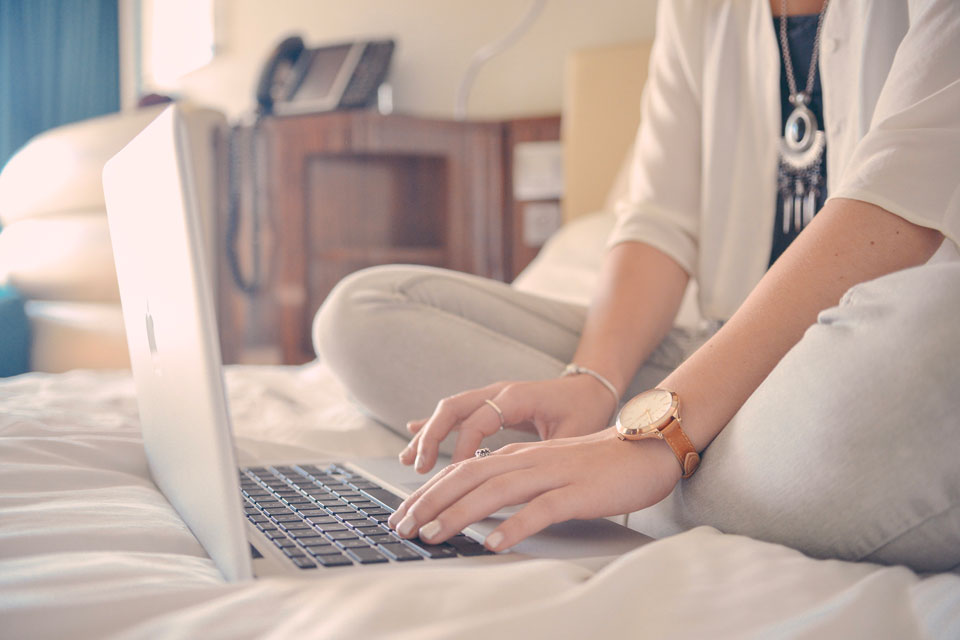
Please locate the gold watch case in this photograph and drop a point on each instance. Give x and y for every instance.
(647, 414)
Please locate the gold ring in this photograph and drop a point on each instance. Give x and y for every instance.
(493, 405)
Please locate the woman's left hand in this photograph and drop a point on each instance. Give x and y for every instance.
(569, 478)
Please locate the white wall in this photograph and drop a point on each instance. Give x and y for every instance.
(435, 40)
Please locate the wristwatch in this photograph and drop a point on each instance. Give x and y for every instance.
(656, 414)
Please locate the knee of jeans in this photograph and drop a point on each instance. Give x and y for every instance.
(347, 316)
(913, 313)
(904, 321)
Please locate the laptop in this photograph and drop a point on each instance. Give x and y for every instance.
(309, 518)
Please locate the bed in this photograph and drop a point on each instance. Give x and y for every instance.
(89, 548)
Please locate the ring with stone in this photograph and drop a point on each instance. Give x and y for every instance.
(481, 453)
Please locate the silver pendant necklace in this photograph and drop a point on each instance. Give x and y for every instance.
(803, 144)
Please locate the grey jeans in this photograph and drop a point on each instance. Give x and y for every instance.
(848, 449)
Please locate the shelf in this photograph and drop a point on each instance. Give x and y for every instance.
(385, 255)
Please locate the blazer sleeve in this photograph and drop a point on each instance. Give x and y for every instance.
(909, 160)
(662, 205)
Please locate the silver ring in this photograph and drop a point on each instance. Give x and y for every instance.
(481, 453)
(494, 406)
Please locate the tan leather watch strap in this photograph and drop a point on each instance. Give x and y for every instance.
(686, 453)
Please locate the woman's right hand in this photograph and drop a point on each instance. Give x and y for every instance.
(556, 408)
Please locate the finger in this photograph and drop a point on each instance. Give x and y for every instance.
(407, 505)
(468, 441)
(542, 511)
(448, 414)
(450, 485)
(515, 407)
(500, 491)
(512, 407)
(409, 452)
(509, 407)
(414, 426)
(400, 513)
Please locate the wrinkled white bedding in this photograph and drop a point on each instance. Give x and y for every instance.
(89, 548)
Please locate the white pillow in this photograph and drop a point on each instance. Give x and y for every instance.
(568, 266)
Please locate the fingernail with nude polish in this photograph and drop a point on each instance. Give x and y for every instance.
(430, 530)
(406, 526)
(420, 464)
(494, 540)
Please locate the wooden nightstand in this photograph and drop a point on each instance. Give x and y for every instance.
(347, 190)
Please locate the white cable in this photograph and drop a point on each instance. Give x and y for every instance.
(484, 53)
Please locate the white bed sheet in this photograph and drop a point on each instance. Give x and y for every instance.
(89, 548)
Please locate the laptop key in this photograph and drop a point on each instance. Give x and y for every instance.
(467, 546)
(400, 552)
(341, 535)
(323, 550)
(304, 563)
(384, 497)
(369, 531)
(369, 522)
(434, 551)
(341, 509)
(366, 555)
(285, 517)
(280, 511)
(379, 518)
(352, 517)
(333, 561)
(352, 543)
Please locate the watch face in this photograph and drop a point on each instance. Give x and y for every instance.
(645, 413)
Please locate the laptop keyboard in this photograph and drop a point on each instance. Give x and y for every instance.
(333, 517)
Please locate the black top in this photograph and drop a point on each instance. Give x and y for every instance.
(801, 32)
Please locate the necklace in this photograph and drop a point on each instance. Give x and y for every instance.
(803, 144)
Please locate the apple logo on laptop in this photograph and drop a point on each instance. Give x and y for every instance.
(152, 342)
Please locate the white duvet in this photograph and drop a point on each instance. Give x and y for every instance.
(90, 549)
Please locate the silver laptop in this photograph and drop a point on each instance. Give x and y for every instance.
(313, 518)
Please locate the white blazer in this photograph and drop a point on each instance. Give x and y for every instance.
(703, 176)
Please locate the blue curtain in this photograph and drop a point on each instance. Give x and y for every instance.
(59, 62)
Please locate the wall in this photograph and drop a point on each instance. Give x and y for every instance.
(436, 39)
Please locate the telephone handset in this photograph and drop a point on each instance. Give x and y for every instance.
(299, 79)
(276, 73)
(295, 79)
